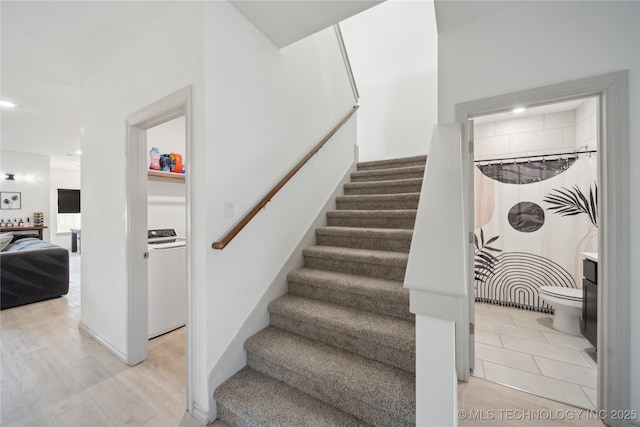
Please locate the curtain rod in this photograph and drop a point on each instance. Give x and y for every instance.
(511, 159)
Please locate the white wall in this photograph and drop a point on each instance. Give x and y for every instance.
(167, 198)
(393, 52)
(169, 137)
(61, 178)
(532, 44)
(166, 57)
(32, 175)
(265, 108)
(441, 402)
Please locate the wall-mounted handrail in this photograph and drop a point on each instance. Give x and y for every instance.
(266, 199)
(347, 63)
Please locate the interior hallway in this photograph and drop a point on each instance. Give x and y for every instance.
(53, 374)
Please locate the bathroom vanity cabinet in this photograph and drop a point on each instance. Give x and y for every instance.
(589, 323)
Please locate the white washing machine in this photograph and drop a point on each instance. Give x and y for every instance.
(167, 281)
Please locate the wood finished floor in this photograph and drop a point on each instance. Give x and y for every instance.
(53, 374)
(483, 403)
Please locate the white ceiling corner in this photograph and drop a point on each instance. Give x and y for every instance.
(48, 49)
(451, 13)
(285, 22)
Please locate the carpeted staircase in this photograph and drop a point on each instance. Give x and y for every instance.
(340, 349)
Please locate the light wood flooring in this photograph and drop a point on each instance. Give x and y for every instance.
(53, 374)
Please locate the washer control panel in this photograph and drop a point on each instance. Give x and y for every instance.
(161, 233)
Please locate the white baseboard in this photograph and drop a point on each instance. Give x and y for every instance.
(117, 353)
(200, 414)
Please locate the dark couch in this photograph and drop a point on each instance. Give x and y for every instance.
(32, 270)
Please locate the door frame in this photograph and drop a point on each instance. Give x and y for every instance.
(614, 267)
(168, 108)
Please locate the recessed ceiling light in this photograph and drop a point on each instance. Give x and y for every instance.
(78, 152)
(8, 104)
(518, 110)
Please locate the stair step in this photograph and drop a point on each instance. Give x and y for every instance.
(383, 338)
(374, 392)
(378, 201)
(340, 349)
(387, 297)
(399, 219)
(250, 398)
(388, 174)
(365, 262)
(410, 185)
(383, 239)
(390, 163)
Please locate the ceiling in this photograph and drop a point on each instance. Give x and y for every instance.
(48, 49)
(451, 13)
(285, 22)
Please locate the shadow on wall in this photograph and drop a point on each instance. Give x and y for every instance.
(397, 118)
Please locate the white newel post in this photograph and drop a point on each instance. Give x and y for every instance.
(437, 278)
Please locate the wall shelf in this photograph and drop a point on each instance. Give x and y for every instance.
(168, 175)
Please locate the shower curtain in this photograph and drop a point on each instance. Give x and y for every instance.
(532, 220)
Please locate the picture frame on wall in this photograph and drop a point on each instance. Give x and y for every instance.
(10, 200)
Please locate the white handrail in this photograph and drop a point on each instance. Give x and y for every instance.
(347, 63)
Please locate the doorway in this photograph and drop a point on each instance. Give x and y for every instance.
(535, 192)
(613, 211)
(172, 107)
(166, 224)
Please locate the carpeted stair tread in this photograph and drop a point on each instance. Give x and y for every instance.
(388, 174)
(389, 239)
(395, 259)
(400, 218)
(382, 213)
(378, 201)
(372, 391)
(384, 330)
(340, 348)
(250, 398)
(387, 297)
(385, 164)
(409, 185)
(366, 262)
(389, 290)
(383, 338)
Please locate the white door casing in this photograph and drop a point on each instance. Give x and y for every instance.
(168, 108)
(614, 211)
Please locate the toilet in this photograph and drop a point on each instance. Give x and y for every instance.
(567, 306)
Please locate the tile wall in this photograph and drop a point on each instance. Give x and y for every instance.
(587, 125)
(541, 134)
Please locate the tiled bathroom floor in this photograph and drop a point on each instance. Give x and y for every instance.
(519, 348)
